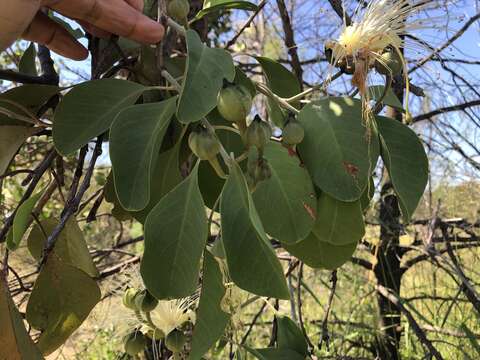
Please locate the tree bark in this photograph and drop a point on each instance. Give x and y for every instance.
(387, 269)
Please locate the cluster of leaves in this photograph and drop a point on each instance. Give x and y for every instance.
(311, 202)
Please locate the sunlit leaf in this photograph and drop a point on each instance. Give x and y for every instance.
(406, 161)
(70, 245)
(337, 150)
(61, 300)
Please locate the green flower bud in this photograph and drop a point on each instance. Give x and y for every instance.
(129, 298)
(258, 133)
(203, 143)
(134, 343)
(178, 9)
(144, 301)
(175, 341)
(234, 103)
(389, 63)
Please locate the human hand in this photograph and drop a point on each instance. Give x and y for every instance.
(22, 19)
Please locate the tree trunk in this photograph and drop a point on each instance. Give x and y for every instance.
(388, 257)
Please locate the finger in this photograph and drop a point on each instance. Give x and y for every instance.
(94, 30)
(45, 31)
(136, 4)
(115, 16)
(15, 15)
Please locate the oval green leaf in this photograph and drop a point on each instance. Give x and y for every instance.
(89, 109)
(175, 237)
(283, 83)
(338, 222)
(252, 262)
(290, 192)
(61, 300)
(135, 139)
(70, 245)
(321, 255)
(206, 69)
(337, 151)
(406, 162)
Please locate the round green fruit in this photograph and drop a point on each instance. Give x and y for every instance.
(178, 9)
(389, 63)
(234, 103)
(258, 133)
(144, 301)
(134, 343)
(175, 341)
(203, 143)
(293, 133)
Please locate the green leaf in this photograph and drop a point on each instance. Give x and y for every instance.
(21, 221)
(175, 236)
(27, 63)
(252, 262)
(11, 138)
(242, 79)
(290, 336)
(211, 319)
(15, 343)
(338, 222)
(283, 83)
(135, 139)
(376, 92)
(89, 109)
(322, 255)
(166, 175)
(70, 246)
(337, 231)
(275, 354)
(210, 6)
(337, 151)
(290, 192)
(406, 161)
(206, 69)
(61, 300)
(31, 97)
